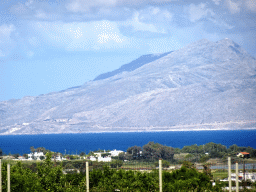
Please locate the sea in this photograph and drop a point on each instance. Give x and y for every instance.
(86, 142)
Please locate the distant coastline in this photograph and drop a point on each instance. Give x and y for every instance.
(140, 131)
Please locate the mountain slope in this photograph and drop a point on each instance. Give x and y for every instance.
(132, 65)
(203, 85)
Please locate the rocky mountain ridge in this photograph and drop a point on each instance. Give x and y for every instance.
(205, 85)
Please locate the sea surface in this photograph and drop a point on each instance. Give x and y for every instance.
(77, 143)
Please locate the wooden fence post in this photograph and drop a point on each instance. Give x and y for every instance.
(87, 176)
(160, 176)
(8, 178)
(0, 175)
(237, 184)
(229, 174)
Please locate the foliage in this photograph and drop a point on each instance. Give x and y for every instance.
(188, 165)
(134, 152)
(16, 155)
(207, 169)
(25, 155)
(111, 180)
(155, 151)
(204, 158)
(51, 177)
(105, 154)
(42, 149)
(165, 163)
(186, 179)
(116, 163)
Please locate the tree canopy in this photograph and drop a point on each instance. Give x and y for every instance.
(157, 151)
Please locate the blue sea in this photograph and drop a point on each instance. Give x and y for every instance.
(76, 143)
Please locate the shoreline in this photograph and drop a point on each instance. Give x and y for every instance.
(138, 131)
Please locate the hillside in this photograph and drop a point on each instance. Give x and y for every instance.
(205, 85)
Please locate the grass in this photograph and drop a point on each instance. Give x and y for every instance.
(219, 174)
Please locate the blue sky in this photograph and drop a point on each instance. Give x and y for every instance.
(51, 45)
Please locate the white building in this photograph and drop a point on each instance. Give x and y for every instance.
(36, 155)
(92, 158)
(104, 159)
(115, 152)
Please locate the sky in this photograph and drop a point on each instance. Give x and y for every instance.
(51, 45)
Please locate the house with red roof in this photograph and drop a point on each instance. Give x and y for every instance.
(243, 155)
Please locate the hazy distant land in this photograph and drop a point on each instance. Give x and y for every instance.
(203, 86)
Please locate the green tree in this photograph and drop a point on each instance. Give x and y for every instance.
(116, 163)
(16, 155)
(32, 149)
(155, 151)
(122, 156)
(42, 149)
(186, 179)
(188, 165)
(134, 152)
(51, 177)
(207, 169)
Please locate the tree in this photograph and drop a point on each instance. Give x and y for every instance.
(51, 177)
(42, 149)
(41, 157)
(105, 154)
(121, 156)
(1, 152)
(188, 165)
(155, 151)
(16, 155)
(207, 169)
(32, 149)
(134, 152)
(25, 155)
(116, 163)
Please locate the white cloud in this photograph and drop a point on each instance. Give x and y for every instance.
(250, 5)
(196, 12)
(234, 7)
(29, 3)
(81, 36)
(87, 5)
(41, 14)
(217, 2)
(6, 30)
(152, 19)
(155, 10)
(139, 26)
(106, 32)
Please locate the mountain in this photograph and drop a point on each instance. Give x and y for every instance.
(133, 65)
(205, 85)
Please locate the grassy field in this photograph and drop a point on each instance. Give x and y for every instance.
(219, 174)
